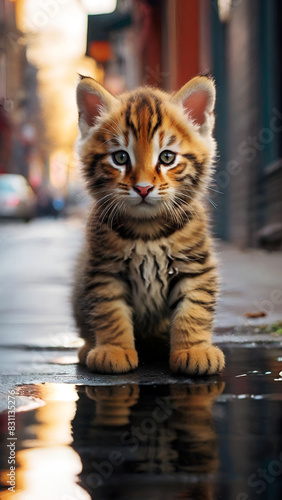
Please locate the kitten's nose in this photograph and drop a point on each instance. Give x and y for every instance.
(143, 190)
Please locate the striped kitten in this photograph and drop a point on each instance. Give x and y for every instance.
(147, 266)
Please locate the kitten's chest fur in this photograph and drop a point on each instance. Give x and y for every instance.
(149, 268)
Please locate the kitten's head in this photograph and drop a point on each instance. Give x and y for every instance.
(146, 153)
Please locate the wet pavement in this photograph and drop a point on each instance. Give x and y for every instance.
(144, 435)
(161, 437)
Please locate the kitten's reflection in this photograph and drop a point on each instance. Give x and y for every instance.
(113, 403)
(147, 442)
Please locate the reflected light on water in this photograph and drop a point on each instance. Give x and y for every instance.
(60, 392)
(47, 466)
(49, 473)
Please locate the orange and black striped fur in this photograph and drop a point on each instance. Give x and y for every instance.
(147, 267)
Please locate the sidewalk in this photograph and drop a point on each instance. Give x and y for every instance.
(251, 282)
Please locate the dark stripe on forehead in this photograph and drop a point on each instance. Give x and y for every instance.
(128, 120)
(143, 101)
(159, 115)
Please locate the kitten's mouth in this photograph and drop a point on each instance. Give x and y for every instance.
(142, 202)
(146, 203)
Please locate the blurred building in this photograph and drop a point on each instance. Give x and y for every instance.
(42, 48)
(246, 62)
(21, 126)
(166, 42)
(9, 80)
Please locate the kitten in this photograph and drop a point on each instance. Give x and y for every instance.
(147, 266)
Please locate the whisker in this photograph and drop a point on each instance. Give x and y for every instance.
(94, 208)
(193, 212)
(112, 215)
(179, 195)
(120, 204)
(215, 190)
(211, 201)
(110, 131)
(112, 135)
(106, 211)
(181, 210)
(167, 212)
(119, 129)
(93, 193)
(172, 207)
(101, 199)
(106, 142)
(104, 202)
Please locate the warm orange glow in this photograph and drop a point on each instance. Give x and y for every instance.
(58, 169)
(47, 465)
(60, 392)
(55, 32)
(100, 51)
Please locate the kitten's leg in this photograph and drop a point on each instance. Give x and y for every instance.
(109, 340)
(192, 301)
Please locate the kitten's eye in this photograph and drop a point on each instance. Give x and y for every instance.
(120, 157)
(167, 157)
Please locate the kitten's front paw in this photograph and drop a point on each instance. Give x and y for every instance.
(111, 359)
(201, 359)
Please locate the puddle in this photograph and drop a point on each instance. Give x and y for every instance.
(130, 442)
(253, 372)
(179, 440)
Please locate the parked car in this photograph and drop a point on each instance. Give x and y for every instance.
(17, 198)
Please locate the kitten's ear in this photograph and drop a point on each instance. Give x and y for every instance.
(198, 99)
(92, 99)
